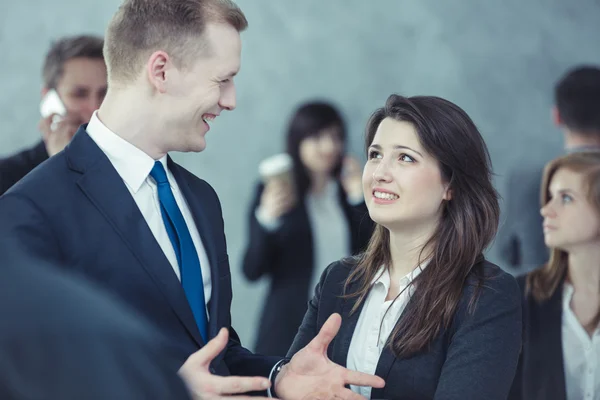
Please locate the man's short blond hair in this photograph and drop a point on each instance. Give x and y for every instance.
(141, 27)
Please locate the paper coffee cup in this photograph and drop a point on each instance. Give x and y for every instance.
(278, 166)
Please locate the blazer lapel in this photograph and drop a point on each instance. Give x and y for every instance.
(197, 204)
(387, 357)
(547, 379)
(341, 344)
(105, 189)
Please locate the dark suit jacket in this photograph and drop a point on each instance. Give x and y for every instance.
(520, 240)
(286, 256)
(61, 338)
(15, 167)
(541, 374)
(475, 358)
(76, 211)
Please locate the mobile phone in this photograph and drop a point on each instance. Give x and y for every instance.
(52, 104)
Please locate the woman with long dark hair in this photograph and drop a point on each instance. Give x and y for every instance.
(300, 225)
(421, 307)
(561, 300)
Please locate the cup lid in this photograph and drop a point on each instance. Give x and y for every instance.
(274, 165)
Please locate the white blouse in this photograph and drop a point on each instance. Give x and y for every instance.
(581, 354)
(376, 322)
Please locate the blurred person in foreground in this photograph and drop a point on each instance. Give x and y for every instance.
(63, 338)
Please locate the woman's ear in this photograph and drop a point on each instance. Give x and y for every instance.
(447, 194)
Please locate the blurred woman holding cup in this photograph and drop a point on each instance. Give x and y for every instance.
(308, 211)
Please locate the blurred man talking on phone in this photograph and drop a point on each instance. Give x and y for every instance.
(74, 69)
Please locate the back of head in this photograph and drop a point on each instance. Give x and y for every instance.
(68, 48)
(141, 27)
(577, 99)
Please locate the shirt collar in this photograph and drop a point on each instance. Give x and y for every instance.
(383, 276)
(132, 164)
(567, 295)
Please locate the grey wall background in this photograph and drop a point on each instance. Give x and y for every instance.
(497, 60)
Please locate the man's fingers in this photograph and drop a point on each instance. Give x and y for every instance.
(59, 127)
(239, 384)
(360, 379)
(212, 349)
(63, 131)
(328, 331)
(348, 394)
(72, 119)
(248, 398)
(44, 125)
(63, 124)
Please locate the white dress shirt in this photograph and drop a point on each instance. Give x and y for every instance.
(134, 166)
(376, 322)
(581, 354)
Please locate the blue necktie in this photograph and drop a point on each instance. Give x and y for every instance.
(187, 257)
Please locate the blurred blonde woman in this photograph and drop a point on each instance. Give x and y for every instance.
(561, 303)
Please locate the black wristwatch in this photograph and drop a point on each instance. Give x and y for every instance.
(273, 375)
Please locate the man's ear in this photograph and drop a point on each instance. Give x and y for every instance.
(156, 67)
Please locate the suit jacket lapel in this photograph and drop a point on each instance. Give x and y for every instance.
(106, 190)
(546, 364)
(341, 344)
(198, 207)
(387, 357)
